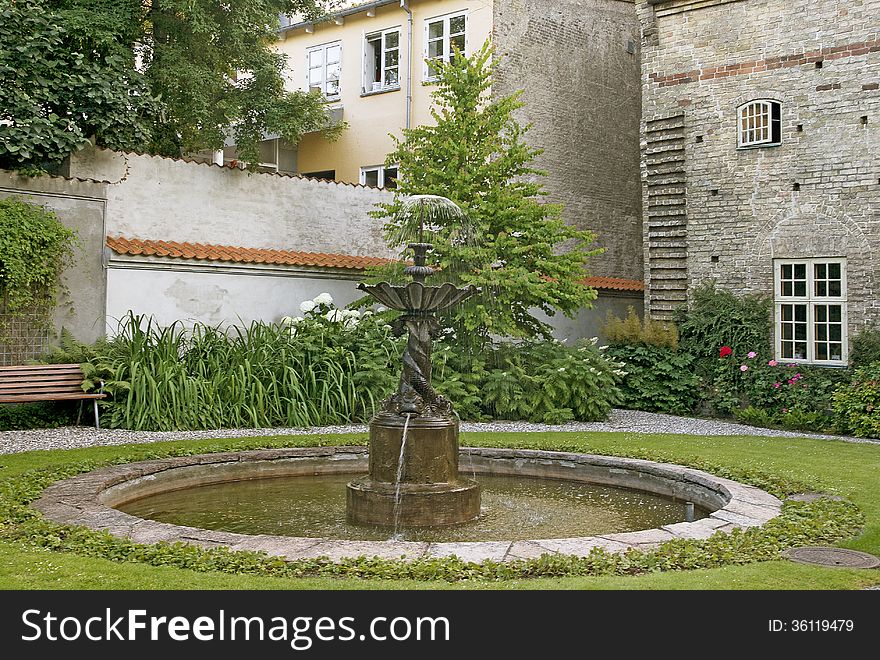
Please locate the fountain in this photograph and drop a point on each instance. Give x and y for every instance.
(413, 478)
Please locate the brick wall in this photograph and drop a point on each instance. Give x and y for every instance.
(816, 195)
(578, 64)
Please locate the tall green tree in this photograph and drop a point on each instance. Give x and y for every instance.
(67, 75)
(512, 245)
(166, 77)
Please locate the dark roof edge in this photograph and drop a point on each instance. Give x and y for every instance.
(342, 13)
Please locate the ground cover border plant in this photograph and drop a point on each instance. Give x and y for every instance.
(823, 521)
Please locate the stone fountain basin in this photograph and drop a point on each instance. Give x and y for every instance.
(89, 500)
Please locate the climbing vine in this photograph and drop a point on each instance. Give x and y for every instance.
(34, 249)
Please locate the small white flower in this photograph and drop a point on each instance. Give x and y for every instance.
(367, 313)
(386, 327)
(334, 316)
(323, 299)
(602, 348)
(561, 369)
(296, 319)
(351, 314)
(286, 320)
(592, 370)
(307, 306)
(620, 372)
(594, 340)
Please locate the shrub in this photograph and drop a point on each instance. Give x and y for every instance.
(857, 404)
(716, 318)
(657, 379)
(545, 381)
(632, 330)
(864, 348)
(762, 391)
(38, 415)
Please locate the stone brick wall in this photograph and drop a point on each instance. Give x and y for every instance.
(735, 210)
(578, 64)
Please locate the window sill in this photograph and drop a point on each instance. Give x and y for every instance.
(763, 145)
(384, 90)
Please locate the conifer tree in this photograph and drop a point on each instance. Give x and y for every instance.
(514, 246)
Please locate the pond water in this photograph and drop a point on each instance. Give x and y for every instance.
(513, 508)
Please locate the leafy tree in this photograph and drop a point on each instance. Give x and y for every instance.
(65, 76)
(162, 76)
(516, 248)
(211, 64)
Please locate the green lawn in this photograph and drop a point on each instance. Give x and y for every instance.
(847, 469)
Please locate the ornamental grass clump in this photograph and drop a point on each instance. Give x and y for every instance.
(327, 367)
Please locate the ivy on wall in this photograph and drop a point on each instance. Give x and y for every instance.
(34, 249)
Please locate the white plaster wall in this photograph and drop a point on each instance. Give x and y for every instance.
(588, 322)
(173, 200)
(214, 298)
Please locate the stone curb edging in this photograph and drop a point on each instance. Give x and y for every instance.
(88, 499)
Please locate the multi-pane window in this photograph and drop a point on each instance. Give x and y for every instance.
(379, 176)
(811, 310)
(759, 124)
(324, 64)
(382, 61)
(442, 36)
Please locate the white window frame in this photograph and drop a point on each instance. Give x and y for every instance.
(380, 169)
(447, 48)
(323, 48)
(383, 36)
(754, 136)
(810, 300)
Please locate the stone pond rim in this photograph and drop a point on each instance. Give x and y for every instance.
(88, 499)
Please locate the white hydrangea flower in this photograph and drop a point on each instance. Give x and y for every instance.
(351, 313)
(286, 320)
(307, 306)
(295, 320)
(367, 313)
(324, 299)
(334, 316)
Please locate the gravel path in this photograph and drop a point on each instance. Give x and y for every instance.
(631, 421)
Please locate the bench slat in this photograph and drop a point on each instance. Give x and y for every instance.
(43, 389)
(41, 367)
(21, 398)
(59, 378)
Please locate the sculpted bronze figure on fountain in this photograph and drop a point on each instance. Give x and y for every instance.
(413, 478)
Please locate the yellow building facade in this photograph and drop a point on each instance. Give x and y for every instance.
(369, 62)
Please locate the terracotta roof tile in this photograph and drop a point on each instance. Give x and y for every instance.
(203, 251)
(173, 249)
(614, 284)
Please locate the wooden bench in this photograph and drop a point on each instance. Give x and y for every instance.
(46, 382)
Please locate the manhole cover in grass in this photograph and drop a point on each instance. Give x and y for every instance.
(834, 557)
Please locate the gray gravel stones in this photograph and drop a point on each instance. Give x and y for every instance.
(629, 421)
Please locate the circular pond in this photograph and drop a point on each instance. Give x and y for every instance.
(574, 494)
(514, 508)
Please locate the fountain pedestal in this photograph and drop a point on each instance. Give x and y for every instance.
(430, 490)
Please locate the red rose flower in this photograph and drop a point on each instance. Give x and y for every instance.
(725, 351)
